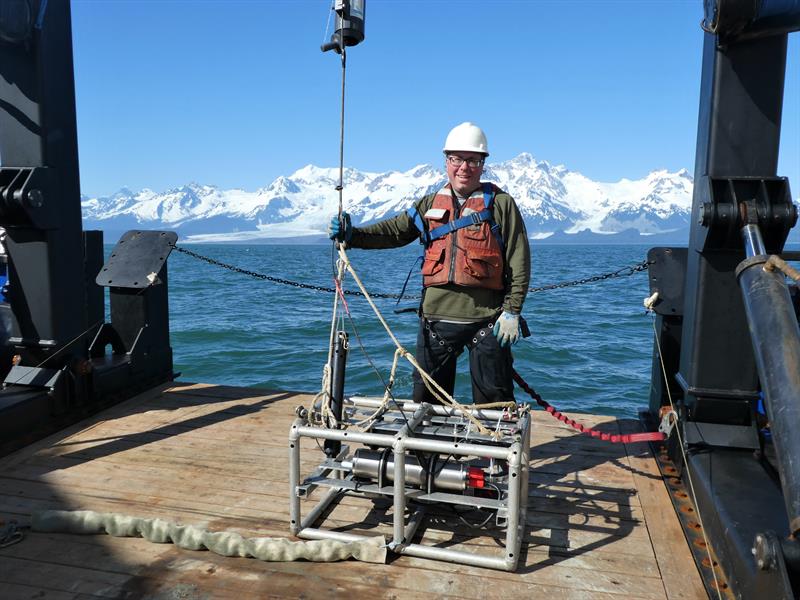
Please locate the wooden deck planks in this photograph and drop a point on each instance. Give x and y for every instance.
(216, 456)
(681, 579)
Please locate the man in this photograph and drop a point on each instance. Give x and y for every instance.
(476, 270)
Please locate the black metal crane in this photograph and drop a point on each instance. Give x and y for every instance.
(726, 324)
(68, 361)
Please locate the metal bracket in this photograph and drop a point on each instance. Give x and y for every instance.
(668, 421)
(736, 201)
(136, 260)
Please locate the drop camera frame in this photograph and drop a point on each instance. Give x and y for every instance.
(422, 428)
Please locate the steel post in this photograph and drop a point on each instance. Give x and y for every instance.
(294, 477)
(399, 494)
(513, 501)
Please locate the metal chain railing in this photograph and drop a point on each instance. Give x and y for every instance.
(297, 284)
(623, 272)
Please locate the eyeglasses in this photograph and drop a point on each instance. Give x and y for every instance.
(457, 161)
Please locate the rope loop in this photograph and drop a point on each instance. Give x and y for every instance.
(11, 533)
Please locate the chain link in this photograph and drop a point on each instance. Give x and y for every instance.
(623, 272)
(297, 284)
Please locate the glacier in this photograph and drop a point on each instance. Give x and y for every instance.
(553, 200)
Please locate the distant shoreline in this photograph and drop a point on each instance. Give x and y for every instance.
(557, 239)
(679, 239)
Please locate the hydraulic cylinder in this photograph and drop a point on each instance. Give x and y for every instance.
(776, 345)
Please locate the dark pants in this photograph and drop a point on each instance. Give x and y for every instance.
(438, 347)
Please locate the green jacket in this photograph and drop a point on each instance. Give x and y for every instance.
(459, 303)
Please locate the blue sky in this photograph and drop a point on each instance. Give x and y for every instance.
(235, 93)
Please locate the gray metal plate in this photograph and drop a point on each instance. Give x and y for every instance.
(666, 272)
(137, 259)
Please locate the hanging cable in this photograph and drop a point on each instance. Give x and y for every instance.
(349, 32)
(685, 459)
(340, 187)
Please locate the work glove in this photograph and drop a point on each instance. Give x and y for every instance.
(340, 230)
(506, 329)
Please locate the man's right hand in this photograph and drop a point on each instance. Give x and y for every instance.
(340, 230)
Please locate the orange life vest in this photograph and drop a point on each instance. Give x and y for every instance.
(463, 250)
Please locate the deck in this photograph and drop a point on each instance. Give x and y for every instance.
(600, 521)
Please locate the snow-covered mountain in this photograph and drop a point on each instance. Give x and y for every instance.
(551, 198)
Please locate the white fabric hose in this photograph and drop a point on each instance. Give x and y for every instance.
(193, 538)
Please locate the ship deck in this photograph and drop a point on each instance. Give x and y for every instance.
(600, 522)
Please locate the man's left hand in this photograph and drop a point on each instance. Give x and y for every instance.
(340, 229)
(506, 329)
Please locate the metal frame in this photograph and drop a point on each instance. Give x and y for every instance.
(417, 432)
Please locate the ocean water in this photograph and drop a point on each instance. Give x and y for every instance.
(590, 349)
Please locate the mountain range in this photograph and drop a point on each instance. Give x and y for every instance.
(556, 204)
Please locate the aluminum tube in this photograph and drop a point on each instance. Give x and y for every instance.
(418, 417)
(776, 345)
(464, 558)
(294, 477)
(320, 507)
(753, 242)
(442, 447)
(311, 533)
(515, 479)
(414, 522)
(442, 411)
(377, 439)
(399, 493)
(525, 461)
(370, 439)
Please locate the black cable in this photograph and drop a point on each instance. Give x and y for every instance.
(385, 385)
(483, 523)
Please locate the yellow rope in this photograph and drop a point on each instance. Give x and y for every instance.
(324, 396)
(436, 390)
(367, 422)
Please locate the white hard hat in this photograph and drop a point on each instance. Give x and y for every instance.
(466, 137)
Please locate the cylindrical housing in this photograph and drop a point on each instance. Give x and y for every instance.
(369, 464)
(350, 15)
(333, 447)
(350, 22)
(776, 345)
